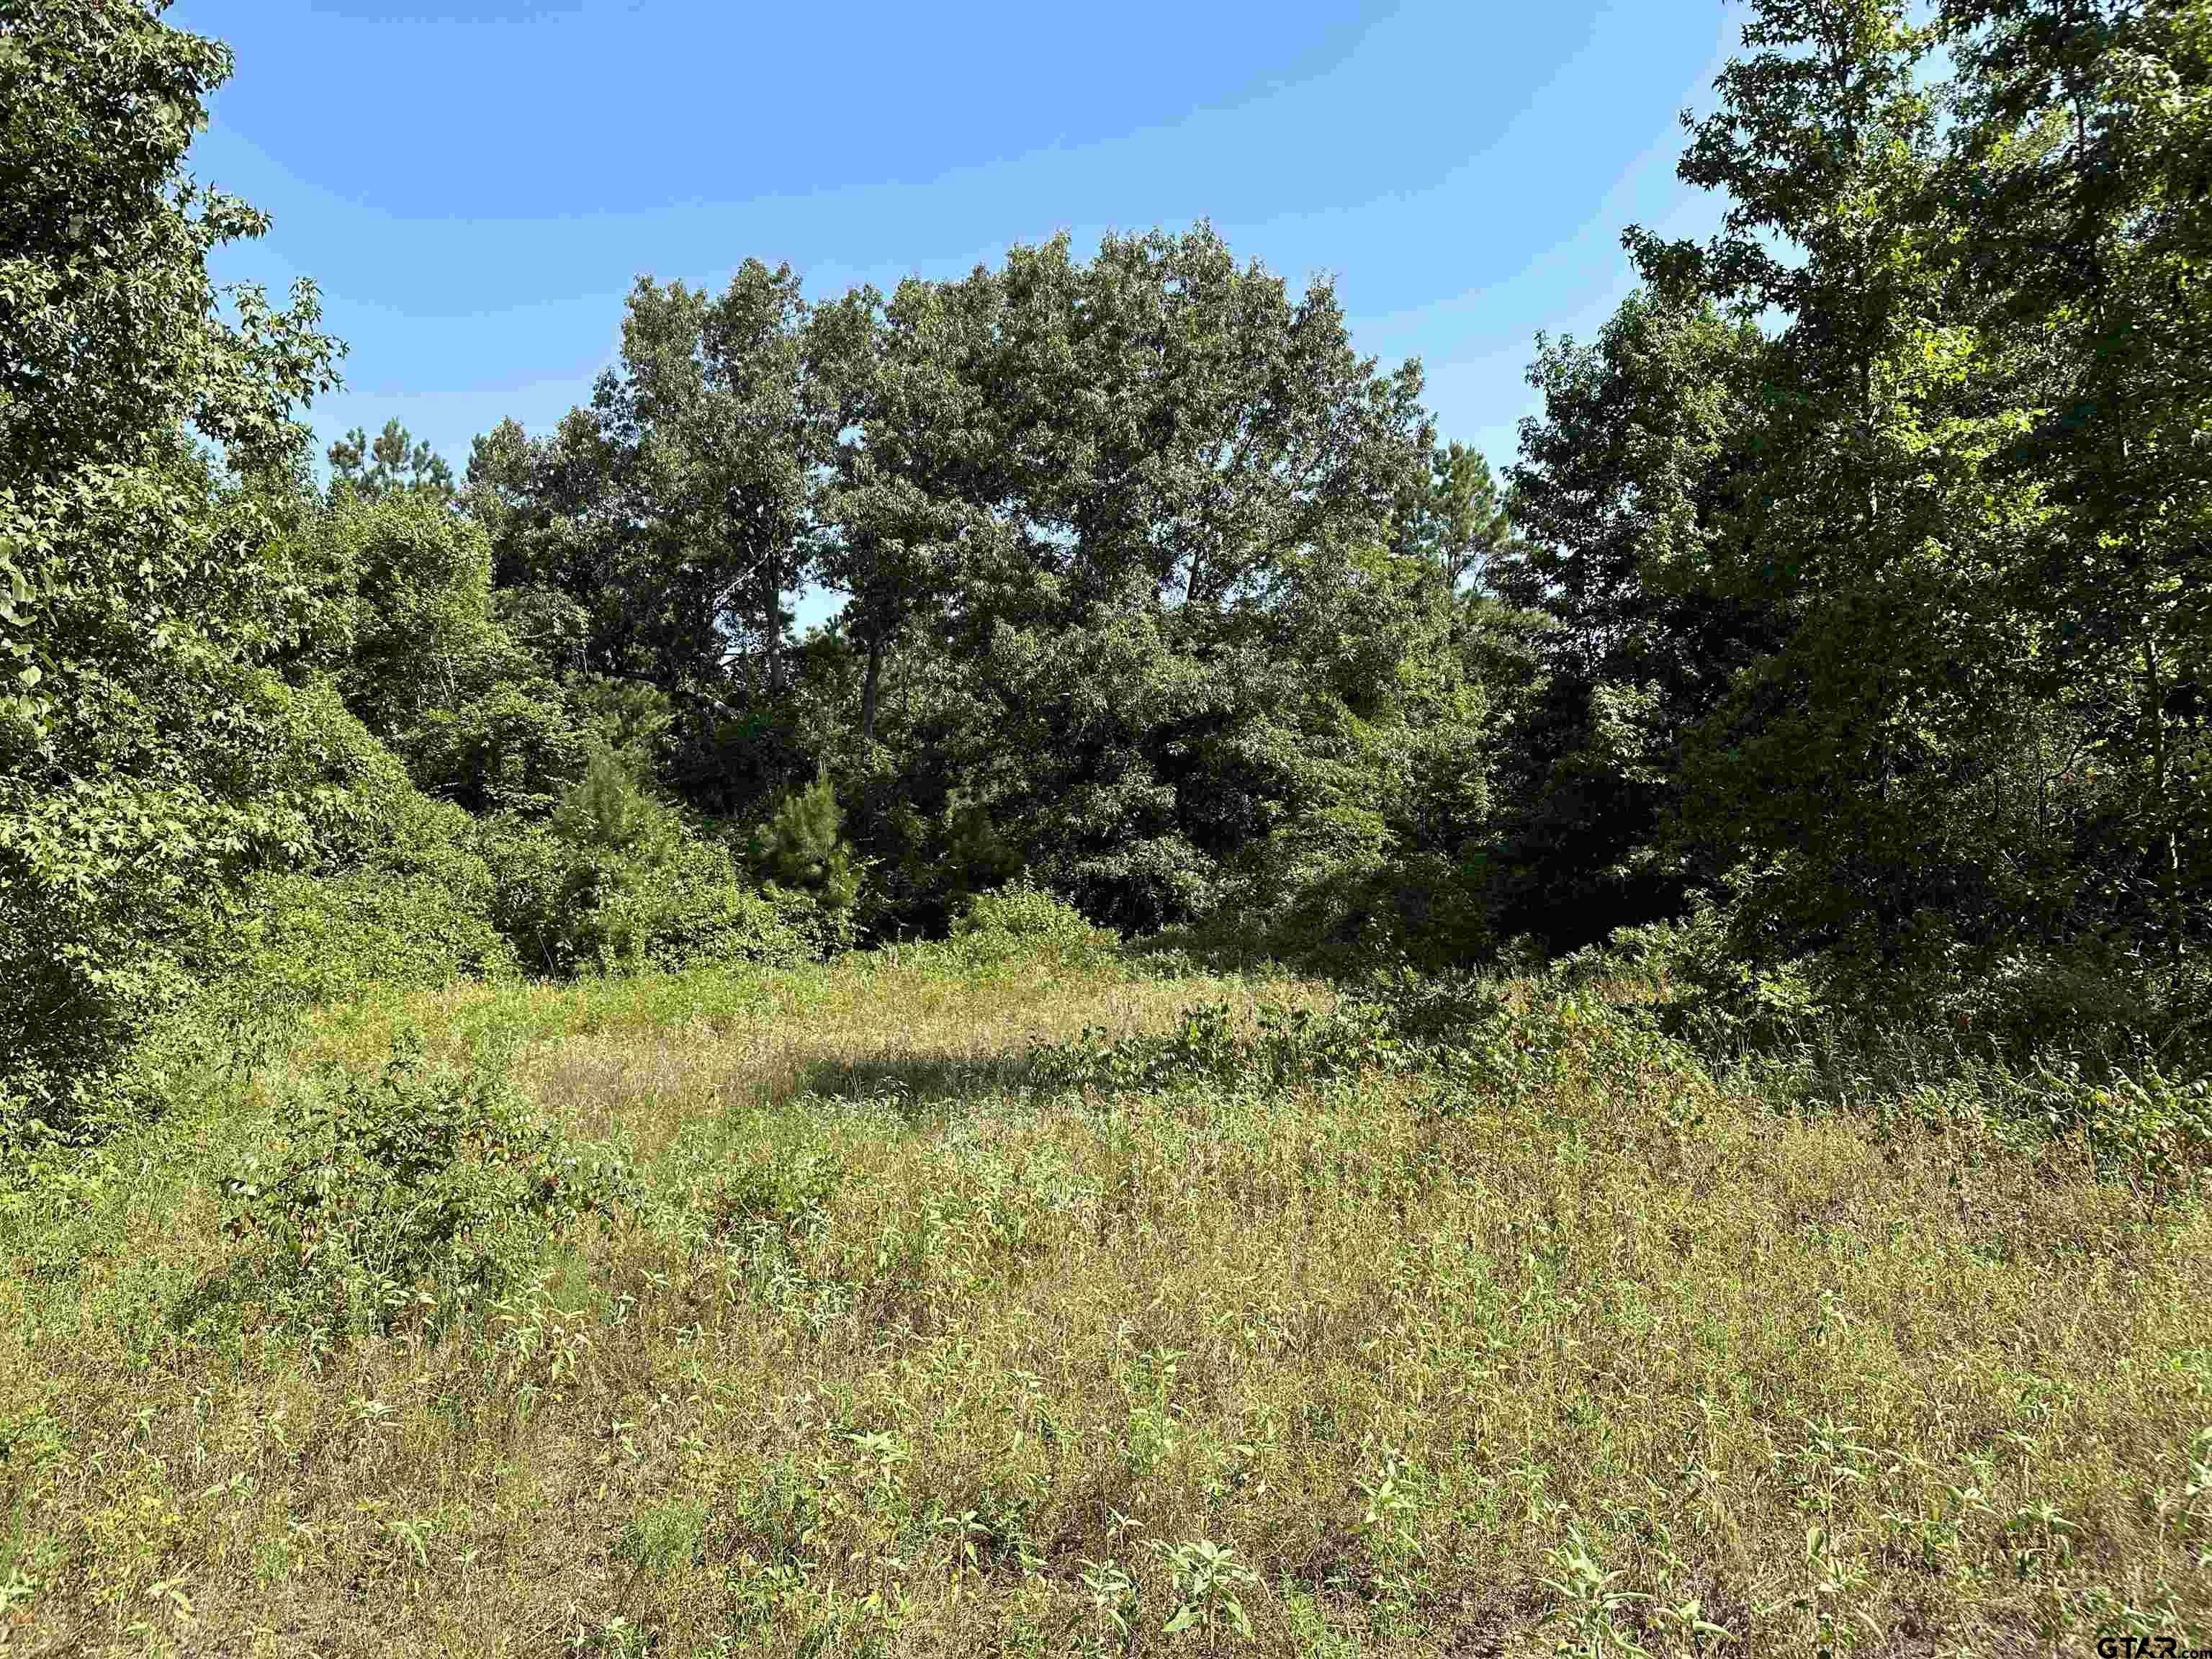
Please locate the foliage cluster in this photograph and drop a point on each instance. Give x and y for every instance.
(1283, 1045)
(408, 1198)
(1875, 544)
(1853, 574)
(1786, 598)
(1023, 923)
(616, 881)
(417, 913)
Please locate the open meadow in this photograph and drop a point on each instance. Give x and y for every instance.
(949, 923)
(1044, 1301)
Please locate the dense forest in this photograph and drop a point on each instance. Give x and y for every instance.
(1834, 656)
(1849, 594)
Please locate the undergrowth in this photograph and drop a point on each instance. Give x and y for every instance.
(1000, 1298)
(411, 1197)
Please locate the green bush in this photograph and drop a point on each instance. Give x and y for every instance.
(2062, 1044)
(2151, 1130)
(1023, 921)
(1337, 891)
(2092, 997)
(1418, 908)
(416, 914)
(122, 895)
(616, 882)
(802, 859)
(567, 910)
(512, 748)
(409, 1198)
(1715, 995)
(2089, 996)
(691, 911)
(2139, 1124)
(1206, 1045)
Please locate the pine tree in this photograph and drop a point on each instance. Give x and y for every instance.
(802, 846)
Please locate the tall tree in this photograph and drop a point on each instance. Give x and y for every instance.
(112, 333)
(917, 472)
(396, 460)
(1185, 425)
(1622, 496)
(680, 513)
(725, 436)
(2085, 144)
(149, 756)
(1459, 524)
(1842, 762)
(1135, 485)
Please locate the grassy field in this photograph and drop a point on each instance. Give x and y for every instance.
(1261, 1333)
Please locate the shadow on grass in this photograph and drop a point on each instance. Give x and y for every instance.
(1207, 951)
(214, 1300)
(915, 1083)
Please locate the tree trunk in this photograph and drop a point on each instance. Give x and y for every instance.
(772, 622)
(868, 689)
(2166, 836)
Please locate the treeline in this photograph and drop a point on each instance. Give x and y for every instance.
(1848, 597)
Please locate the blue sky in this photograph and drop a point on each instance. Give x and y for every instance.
(475, 187)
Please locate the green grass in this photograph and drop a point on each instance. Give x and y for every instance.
(1557, 1342)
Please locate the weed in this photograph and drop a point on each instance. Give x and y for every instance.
(1460, 1310)
(407, 1198)
(1110, 1624)
(1588, 1605)
(1205, 1579)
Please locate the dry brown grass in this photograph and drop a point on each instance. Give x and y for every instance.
(900, 1353)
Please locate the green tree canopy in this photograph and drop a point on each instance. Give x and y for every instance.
(149, 755)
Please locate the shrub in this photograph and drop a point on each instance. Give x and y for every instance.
(567, 910)
(694, 910)
(121, 895)
(1141, 883)
(1418, 908)
(1023, 921)
(616, 882)
(802, 846)
(512, 748)
(1283, 1046)
(408, 1198)
(2060, 1043)
(2139, 1125)
(1336, 890)
(2152, 1130)
(417, 913)
(1719, 998)
(2085, 997)
(801, 858)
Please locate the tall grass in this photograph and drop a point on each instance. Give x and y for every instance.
(1246, 1330)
